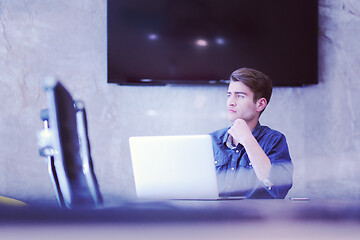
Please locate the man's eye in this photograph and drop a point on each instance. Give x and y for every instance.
(240, 96)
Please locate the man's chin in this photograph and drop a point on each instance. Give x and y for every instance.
(232, 119)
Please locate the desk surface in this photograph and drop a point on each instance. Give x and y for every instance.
(256, 219)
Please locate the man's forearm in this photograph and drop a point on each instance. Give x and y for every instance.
(259, 160)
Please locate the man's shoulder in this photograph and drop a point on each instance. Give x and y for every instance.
(271, 134)
(218, 135)
(268, 130)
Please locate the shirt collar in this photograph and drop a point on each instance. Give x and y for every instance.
(227, 140)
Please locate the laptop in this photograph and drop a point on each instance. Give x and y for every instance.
(174, 167)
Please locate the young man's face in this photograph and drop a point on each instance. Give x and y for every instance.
(240, 103)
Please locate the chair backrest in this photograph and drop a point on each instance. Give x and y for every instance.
(68, 149)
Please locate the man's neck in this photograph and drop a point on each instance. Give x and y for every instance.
(253, 123)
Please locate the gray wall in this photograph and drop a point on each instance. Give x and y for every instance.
(67, 39)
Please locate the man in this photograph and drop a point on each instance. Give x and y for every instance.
(251, 160)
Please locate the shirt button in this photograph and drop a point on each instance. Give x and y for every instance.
(232, 168)
(250, 164)
(237, 151)
(215, 162)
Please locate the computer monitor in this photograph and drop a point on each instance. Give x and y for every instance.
(68, 149)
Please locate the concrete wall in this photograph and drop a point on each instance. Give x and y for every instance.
(67, 39)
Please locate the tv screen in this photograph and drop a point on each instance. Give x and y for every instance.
(203, 41)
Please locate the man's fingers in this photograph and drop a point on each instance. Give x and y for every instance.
(230, 131)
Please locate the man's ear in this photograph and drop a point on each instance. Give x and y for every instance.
(261, 104)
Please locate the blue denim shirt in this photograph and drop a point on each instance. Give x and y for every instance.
(235, 174)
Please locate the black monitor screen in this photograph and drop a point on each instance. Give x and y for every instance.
(203, 41)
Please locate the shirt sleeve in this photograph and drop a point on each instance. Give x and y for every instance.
(280, 177)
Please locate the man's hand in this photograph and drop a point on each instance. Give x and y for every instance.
(240, 132)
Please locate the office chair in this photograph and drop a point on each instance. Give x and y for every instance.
(64, 141)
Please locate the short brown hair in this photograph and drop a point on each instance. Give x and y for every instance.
(258, 82)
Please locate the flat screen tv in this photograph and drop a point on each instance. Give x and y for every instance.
(203, 41)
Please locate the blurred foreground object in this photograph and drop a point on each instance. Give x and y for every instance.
(4, 201)
(64, 141)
